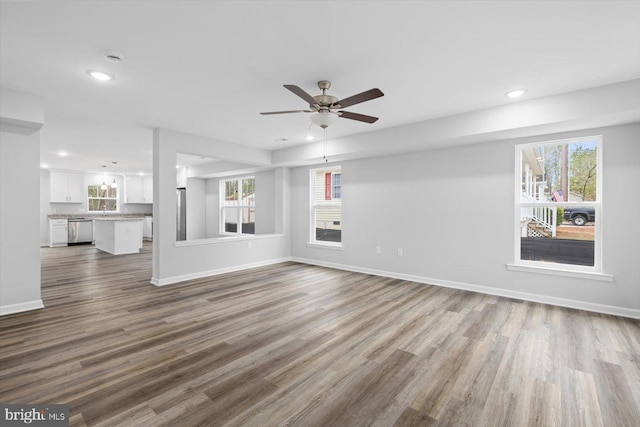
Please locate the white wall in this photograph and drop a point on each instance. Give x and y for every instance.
(45, 208)
(196, 209)
(21, 117)
(21, 113)
(451, 211)
(265, 202)
(212, 205)
(174, 262)
(19, 220)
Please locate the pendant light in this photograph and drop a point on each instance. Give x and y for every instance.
(104, 185)
(113, 184)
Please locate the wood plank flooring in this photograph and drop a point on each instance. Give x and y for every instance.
(299, 345)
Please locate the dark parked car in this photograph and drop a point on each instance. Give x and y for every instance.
(579, 216)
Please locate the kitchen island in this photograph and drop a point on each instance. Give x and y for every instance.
(118, 236)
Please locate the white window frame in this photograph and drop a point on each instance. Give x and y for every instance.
(333, 192)
(334, 202)
(550, 267)
(238, 206)
(89, 198)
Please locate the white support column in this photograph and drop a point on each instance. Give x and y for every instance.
(21, 116)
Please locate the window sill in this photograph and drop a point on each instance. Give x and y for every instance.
(561, 272)
(226, 239)
(328, 245)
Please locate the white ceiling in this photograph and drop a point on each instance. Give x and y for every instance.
(209, 67)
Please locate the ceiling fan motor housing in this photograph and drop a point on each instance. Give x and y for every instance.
(325, 101)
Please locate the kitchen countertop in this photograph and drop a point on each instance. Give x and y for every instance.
(139, 218)
(98, 216)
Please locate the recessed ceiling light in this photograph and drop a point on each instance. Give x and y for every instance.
(63, 154)
(44, 166)
(515, 93)
(100, 76)
(309, 137)
(141, 174)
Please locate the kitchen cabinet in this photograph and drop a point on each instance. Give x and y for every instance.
(147, 189)
(58, 232)
(138, 189)
(66, 187)
(147, 228)
(118, 236)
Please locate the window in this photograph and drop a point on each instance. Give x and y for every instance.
(238, 206)
(326, 206)
(336, 185)
(558, 204)
(102, 200)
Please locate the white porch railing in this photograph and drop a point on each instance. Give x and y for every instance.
(547, 217)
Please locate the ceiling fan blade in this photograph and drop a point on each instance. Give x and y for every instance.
(302, 94)
(361, 97)
(356, 116)
(286, 112)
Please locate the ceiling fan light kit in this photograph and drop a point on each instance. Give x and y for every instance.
(324, 119)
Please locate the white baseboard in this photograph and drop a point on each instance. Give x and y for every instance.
(525, 296)
(208, 273)
(19, 308)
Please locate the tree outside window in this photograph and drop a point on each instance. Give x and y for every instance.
(100, 200)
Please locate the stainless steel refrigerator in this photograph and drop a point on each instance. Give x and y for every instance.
(181, 211)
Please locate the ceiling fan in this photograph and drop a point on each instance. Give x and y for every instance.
(328, 108)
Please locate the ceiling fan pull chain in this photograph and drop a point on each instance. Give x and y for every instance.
(325, 146)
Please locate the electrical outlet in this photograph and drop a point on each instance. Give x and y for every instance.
(378, 250)
(400, 253)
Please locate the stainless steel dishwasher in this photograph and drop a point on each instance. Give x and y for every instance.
(80, 230)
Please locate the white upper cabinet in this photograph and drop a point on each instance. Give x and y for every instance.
(133, 189)
(147, 189)
(138, 189)
(66, 187)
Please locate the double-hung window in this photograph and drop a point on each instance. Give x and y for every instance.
(326, 206)
(238, 206)
(558, 197)
(102, 198)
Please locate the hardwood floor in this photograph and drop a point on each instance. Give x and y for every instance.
(299, 345)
